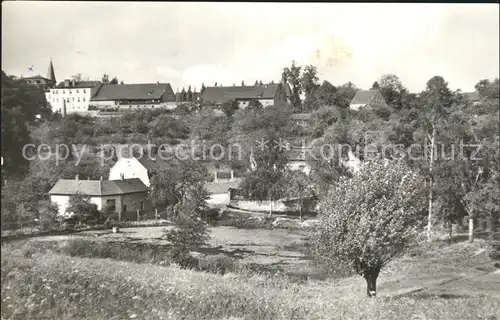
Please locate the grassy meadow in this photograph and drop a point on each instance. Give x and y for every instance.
(98, 275)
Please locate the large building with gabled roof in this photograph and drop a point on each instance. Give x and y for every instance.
(266, 94)
(121, 97)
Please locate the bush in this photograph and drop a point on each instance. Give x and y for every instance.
(247, 223)
(219, 264)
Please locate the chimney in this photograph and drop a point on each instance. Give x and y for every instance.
(122, 176)
(232, 174)
(66, 83)
(76, 178)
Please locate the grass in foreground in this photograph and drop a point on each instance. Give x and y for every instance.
(51, 286)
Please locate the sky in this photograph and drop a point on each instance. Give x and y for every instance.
(193, 43)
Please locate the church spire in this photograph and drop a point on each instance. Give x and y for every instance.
(51, 74)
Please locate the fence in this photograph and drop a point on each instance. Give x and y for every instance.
(141, 215)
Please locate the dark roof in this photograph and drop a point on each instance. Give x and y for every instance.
(472, 96)
(224, 94)
(222, 187)
(36, 77)
(142, 91)
(301, 116)
(98, 187)
(367, 97)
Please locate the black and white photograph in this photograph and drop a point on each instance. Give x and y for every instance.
(250, 161)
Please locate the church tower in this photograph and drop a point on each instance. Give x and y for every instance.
(51, 74)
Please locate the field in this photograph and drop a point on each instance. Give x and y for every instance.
(437, 281)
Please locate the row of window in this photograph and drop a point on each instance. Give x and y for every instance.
(69, 91)
(68, 100)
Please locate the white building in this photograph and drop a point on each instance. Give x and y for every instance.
(129, 168)
(76, 96)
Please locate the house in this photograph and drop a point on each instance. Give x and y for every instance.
(266, 94)
(120, 97)
(43, 82)
(367, 98)
(472, 97)
(72, 96)
(297, 160)
(302, 119)
(220, 191)
(129, 168)
(125, 195)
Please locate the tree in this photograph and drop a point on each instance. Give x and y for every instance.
(254, 104)
(299, 185)
(344, 94)
(438, 100)
(230, 107)
(81, 208)
(292, 76)
(105, 78)
(488, 89)
(121, 82)
(77, 77)
(114, 81)
(309, 80)
(367, 220)
(326, 93)
(392, 89)
(323, 118)
(181, 179)
(375, 86)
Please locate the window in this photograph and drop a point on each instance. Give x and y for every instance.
(67, 100)
(124, 208)
(111, 205)
(142, 205)
(83, 98)
(84, 91)
(77, 91)
(64, 91)
(73, 99)
(78, 99)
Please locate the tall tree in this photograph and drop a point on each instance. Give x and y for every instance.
(326, 93)
(392, 89)
(310, 85)
(437, 98)
(293, 77)
(114, 81)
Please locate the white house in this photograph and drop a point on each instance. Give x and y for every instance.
(219, 191)
(125, 195)
(129, 168)
(72, 96)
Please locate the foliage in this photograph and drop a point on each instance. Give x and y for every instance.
(299, 185)
(367, 220)
(190, 233)
(82, 209)
(292, 76)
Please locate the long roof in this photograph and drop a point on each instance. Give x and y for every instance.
(225, 94)
(366, 97)
(98, 187)
(141, 91)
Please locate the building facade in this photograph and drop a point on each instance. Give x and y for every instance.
(71, 96)
(266, 94)
(120, 196)
(122, 97)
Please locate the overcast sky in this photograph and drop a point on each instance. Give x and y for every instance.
(191, 43)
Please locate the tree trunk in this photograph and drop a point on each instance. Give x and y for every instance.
(301, 212)
(450, 231)
(431, 161)
(471, 229)
(371, 284)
